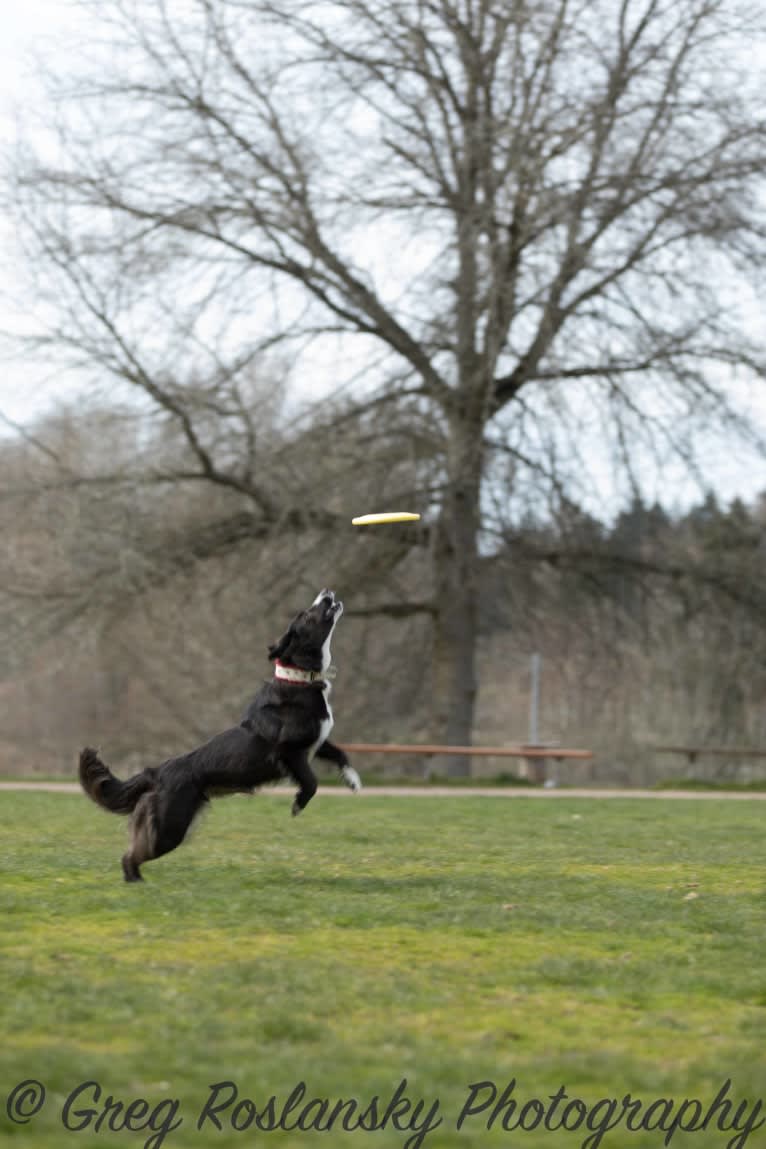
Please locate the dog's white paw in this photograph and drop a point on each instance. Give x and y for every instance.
(351, 778)
(296, 808)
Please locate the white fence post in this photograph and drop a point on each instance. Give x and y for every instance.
(534, 702)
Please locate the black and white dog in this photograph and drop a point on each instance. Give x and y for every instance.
(285, 726)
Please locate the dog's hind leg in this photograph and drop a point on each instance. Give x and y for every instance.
(179, 808)
(160, 823)
(143, 824)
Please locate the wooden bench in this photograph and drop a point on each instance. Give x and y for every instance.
(536, 757)
(692, 753)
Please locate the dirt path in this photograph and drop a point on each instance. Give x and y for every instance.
(457, 792)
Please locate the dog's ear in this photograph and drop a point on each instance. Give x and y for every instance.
(277, 649)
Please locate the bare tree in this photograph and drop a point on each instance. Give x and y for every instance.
(528, 219)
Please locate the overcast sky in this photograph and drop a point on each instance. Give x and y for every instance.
(26, 25)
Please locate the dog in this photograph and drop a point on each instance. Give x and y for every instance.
(285, 726)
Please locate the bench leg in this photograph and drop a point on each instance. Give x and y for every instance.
(536, 771)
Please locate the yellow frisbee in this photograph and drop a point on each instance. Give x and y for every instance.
(386, 517)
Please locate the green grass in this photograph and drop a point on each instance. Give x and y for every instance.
(608, 947)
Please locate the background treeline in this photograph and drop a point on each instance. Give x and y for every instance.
(522, 245)
(136, 606)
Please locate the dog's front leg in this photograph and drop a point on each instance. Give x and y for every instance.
(334, 754)
(297, 765)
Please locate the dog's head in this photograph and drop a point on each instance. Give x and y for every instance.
(306, 642)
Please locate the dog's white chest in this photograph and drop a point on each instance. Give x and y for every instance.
(325, 726)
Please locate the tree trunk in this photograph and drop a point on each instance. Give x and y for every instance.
(456, 622)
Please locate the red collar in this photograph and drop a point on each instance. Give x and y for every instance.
(298, 677)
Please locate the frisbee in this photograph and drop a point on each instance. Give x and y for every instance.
(386, 517)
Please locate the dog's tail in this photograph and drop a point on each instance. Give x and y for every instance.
(100, 784)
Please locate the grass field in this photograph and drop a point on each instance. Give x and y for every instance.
(604, 947)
